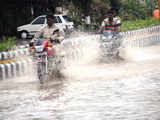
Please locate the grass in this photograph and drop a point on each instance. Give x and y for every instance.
(7, 43)
(137, 24)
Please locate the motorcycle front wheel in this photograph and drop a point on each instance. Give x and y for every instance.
(41, 71)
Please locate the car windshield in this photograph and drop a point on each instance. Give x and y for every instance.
(67, 19)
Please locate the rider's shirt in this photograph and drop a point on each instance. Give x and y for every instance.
(47, 32)
(111, 26)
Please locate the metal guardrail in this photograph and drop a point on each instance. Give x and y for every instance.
(14, 54)
(141, 37)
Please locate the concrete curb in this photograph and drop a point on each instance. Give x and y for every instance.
(14, 63)
(14, 54)
(15, 69)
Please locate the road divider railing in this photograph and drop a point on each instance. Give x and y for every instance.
(133, 39)
(15, 69)
(14, 54)
(15, 63)
(141, 37)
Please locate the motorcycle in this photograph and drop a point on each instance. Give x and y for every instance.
(42, 51)
(109, 43)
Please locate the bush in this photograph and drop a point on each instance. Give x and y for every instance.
(7, 43)
(136, 9)
(139, 23)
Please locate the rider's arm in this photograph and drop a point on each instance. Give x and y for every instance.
(38, 35)
(102, 26)
(101, 29)
(57, 35)
(118, 24)
(117, 28)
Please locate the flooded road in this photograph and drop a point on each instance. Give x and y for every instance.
(124, 90)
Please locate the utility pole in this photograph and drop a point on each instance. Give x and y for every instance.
(32, 9)
(159, 6)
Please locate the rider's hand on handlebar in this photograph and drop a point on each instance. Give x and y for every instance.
(98, 32)
(55, 41)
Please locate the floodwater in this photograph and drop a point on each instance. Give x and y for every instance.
(120, 90)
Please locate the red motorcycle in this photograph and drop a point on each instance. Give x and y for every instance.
(41, 51)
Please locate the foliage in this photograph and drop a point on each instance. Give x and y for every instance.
(74, 13)
(7, 43)
(134, 9)
(19, 12)
(139, 23)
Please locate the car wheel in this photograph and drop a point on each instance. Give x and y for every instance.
(24, 34)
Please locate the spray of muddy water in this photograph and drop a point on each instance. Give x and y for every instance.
(83, 60)
(136, 60)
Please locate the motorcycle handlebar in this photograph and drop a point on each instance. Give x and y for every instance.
(56, 41)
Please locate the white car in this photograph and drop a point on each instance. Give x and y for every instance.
(60, 20)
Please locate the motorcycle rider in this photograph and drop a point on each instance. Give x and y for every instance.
(112, 23)
(54, 35)
(50, 32)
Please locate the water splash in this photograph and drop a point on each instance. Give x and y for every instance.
(84, 63)
(140, 54)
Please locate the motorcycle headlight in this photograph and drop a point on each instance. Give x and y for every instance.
(38, 48)
(103, 37)
(109, 36)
